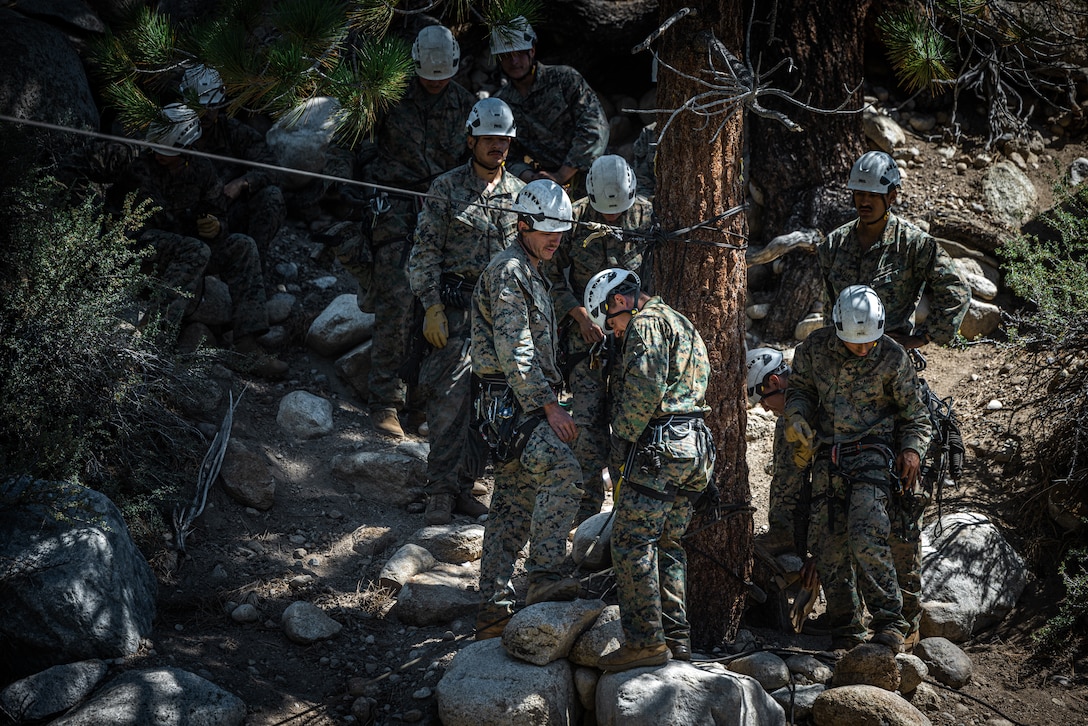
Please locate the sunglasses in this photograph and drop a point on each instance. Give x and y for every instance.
(763, 393)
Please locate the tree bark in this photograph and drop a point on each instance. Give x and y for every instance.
(697, 180)
(803, 175)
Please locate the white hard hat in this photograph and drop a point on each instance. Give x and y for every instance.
(436, 53)
(513, 36)
(611, 185)
(601, 287)
(858, 315)
(205, 82)
(875, 171)
(491, 117)
(546, 203)
(180, 128)
(761, 363)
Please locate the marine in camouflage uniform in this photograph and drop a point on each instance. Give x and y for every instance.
(256, 203)
(462, 226)
(583, 253)
(186, 188)
(562, 128)
(902, 264)
(784, 506)
(420, 138)
(864, 410)
(659, 390)
(537, 493)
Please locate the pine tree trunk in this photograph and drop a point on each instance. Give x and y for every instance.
(803, 175)
(697, 180)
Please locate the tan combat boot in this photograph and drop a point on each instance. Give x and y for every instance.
(386, 422)
(625, 657)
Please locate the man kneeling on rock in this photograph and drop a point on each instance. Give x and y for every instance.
(662, 455)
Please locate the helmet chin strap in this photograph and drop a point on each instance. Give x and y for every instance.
(634, 309)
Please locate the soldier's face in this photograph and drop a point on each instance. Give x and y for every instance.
(618, 323)
(541, 245)
(489, 150)
(871, 207)
(434, 87)
(517, 64)
(860, 349)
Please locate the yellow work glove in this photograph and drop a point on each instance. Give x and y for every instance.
(436, 328)
(207, 226)
(799, 433)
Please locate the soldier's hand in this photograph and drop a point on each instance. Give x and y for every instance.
(591, 332)
(436, 328)
(561, 422)
(799, 433)
(207, 226)
(233, 189)
(908, 464)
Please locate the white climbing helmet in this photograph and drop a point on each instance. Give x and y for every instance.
(180, 128)
(611, 184)
(546, 204)
(512, 37)
(205, 83)
(874, 171)
(761, 363)
(858, 315)
(436, 53)
(601, 287)
(491, 117)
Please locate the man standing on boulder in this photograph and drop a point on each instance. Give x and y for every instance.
(538, 482)
(663, 456)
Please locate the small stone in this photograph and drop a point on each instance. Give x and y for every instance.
(994, 405)
(245, 613)
(422, 693)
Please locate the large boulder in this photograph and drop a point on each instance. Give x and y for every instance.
(971, 576)
(164, 697)
(52, 691)
(865, 706)
(73, 584)
(1009, 194)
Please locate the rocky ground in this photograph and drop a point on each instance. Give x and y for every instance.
(308, 545)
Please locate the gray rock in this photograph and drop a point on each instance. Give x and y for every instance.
(809, 669)
(767, 668)
(52, 691)
(865, 706)
(440, 595)
(981, 320)
(1078, 171)
(454, 543)
(883, 131)
(304, 415)
(605, 635)
(247, 476)
(867, 664)
(971, 576)
(485, 686)
(679, 694)
(912, 671)
(369, 540)
(407, 562)
(74, 585)
(164, 697)
(922, 123)
(245, 613)
(339, 327)
(797, 701)
(279, 307)
(971, 272)
(585, 682)
(945, 661)
(392, 477)
(547, 631)
(305, 623)
(1009, 194)
(353, 368)
(926, 698)
(593, 537)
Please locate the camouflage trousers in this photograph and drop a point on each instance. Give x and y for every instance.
(588, 411)
(234, 259)
(906, 543)
(784, 500)
(647, 554)
(534, 501)
(260, 215)
(853, 557)
(445, 383)
(392, 299)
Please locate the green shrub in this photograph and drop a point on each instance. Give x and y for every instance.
(1072, 617)
(1050, 270)
(85, 396)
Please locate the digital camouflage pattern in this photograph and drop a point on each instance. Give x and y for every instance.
(848, 398)
(456, 234)
(560, 121)
(183, 195)
(903, 264)
(784, 504)
(644, 160)
(663, 369)
(537, 494)
(422, 136)
(583, 253)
